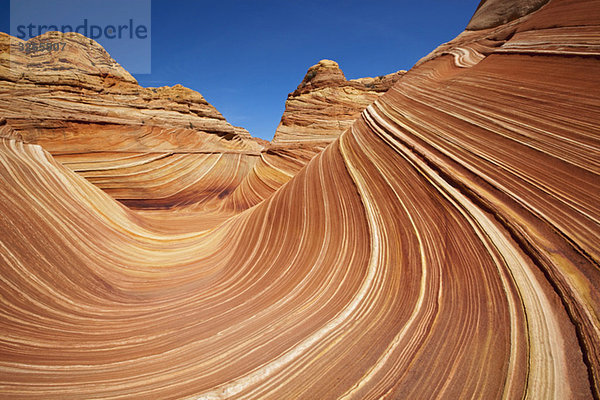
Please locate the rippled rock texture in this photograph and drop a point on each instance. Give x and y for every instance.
(322, 107)
(444, 246)
(91, 115)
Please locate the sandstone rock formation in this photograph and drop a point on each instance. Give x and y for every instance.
(149, 147)
(325, 104)
(321, 108)
(166, 147)
(492, 13)
(445, 246)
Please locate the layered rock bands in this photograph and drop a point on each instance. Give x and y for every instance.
(444, 245)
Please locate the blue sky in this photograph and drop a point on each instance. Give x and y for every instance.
(246, 56)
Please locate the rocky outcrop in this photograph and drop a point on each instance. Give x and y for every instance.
(325, 104)
(46, 91)
(493, 13)
(133, 142)
(446, 246)
(321, 108)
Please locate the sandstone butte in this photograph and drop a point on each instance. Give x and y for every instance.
(444, 245)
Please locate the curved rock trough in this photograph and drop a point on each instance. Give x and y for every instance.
(444, 244)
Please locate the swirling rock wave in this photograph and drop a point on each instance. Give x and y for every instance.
(444, 246)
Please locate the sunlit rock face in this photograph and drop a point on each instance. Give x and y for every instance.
(62, 99)
(146, 147)
(444, 246)
(322, 107)
(493, 13)
(325, 104)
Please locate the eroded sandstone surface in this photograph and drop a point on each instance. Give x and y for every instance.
(445, 245)
(143, 146)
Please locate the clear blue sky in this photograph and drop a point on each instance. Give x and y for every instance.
(246, 56)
